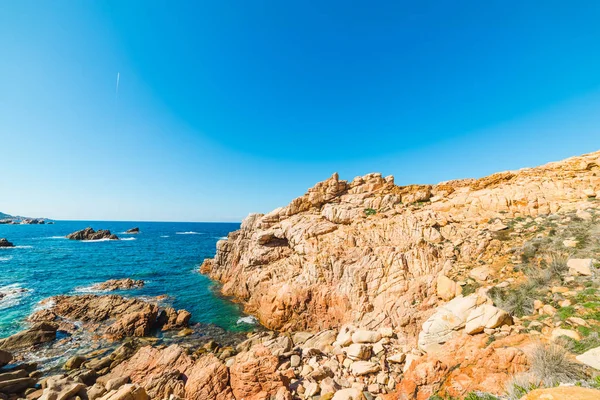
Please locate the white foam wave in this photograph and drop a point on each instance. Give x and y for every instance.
(247, 320)
(222, 238)
(98, 240)
(165, 236)
(189, 233)
(8, 258)
(11, 295)
(16, 247)
(128, 238)
(86, 289)
(56, 237)
(44, 305)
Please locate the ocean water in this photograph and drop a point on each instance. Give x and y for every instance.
(166, 255)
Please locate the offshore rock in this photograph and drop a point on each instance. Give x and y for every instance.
(118, 284)
(90, 234)
(5, 243)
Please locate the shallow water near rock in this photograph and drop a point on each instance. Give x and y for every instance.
(165, 255)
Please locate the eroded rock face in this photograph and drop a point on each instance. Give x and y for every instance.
(90, 234)
(254, 374)
(171, 371)
(369, 251)
(464, 364)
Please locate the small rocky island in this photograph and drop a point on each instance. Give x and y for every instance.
(91, 234)
(133, 230)
(118, 284)
(5, 243)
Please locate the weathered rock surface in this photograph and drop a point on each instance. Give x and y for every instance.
(254, 374)
(464, 364)
(368, 251)
(118, 284)
(171, 371)
(5, 243)
(5, 357)
(591, 358)
(90, 234)
(112, 316)
(563, 393)
(39, 333)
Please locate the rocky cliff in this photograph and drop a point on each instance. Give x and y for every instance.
(371, 252)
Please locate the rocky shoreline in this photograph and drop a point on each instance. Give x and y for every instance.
(478, 289)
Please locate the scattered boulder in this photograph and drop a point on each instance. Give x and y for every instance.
(362, 336)
(485, 316)
(590, 358)
(580, 266)
(5, 243)
(446, 288)
(133, 230)
(358, 351)
(364, 368)
(169, 319)
(62, 387)
(480, 273)
(558, 332)
(91, 234)
(127, 392)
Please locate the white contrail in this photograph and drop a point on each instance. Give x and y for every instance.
(117, 90)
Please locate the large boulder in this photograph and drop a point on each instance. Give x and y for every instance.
(580, 266)
(485, 316)
(590, 358)
(447, 320)
(59, 387)
(5, 358)
(39, 333)
(133, 230)
(91, 234)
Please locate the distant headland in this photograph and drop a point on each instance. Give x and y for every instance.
(8, 219)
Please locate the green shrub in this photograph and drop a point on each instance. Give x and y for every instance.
(370, 211)
(565, 312)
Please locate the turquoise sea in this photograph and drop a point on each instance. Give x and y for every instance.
(166, 255)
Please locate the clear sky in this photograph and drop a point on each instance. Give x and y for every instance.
(231, 107)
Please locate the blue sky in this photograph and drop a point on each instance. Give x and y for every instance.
(226, 108)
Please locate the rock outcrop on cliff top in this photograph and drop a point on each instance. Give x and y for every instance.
(370, 251)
